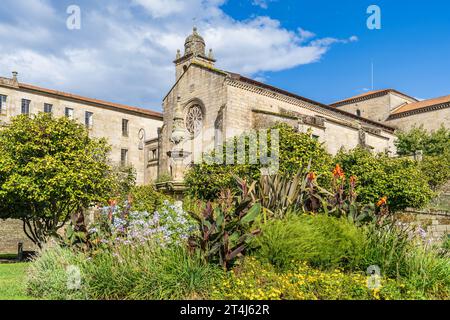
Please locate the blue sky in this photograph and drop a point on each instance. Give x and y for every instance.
(319, 49)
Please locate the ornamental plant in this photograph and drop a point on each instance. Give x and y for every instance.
(169, 225)
(398, 179)
(50, 169)
(226, 227)
(296, 150)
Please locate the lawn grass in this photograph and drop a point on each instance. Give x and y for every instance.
(12, 281)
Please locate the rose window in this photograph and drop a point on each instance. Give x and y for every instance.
(194, 120)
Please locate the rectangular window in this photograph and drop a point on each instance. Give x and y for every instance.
(48, 108)
(89, 120)
(124, 157)
(25, 106)
(2, 104)
(125, 129)
(69, 113)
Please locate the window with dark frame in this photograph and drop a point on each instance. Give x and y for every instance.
(125, 127)
(358, 113)
(25, 106)
(48, 108)
(89, 120)
(69, 113)
(2, 103)
(124, 157)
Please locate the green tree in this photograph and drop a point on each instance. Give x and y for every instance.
(50, 169)
(398, 179)
(205, 181)
(436, 148)
(433, 143)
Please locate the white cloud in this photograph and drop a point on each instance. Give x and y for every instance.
(264, 4)
(125, 49)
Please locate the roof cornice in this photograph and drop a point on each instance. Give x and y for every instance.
(369, 96)
(431, 108)
(307, 103)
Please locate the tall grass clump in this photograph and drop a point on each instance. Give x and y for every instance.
(149, 272)
(402, 253)
(320, 240)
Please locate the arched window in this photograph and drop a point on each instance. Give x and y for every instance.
(358, 113)
(194, 120)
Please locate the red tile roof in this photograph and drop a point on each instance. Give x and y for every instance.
(422, 105)
(367, 96)
(101, 103)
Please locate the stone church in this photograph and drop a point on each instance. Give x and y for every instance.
(206, 106)
(211, 104)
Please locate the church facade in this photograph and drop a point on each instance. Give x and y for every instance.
(217, 105)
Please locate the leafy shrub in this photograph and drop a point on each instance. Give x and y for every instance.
(400, 180)
(146, 198)
(205, 181)
(258, 281)
(436, 169)
(320, 240)
(431, 143)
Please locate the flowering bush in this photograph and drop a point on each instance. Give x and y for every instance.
(169, 225)
(256, 281)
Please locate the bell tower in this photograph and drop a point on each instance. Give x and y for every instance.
(194, 51)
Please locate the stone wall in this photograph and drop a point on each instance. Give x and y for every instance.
(435, 223)
(378, 108)
(11, 233)
(431, 121)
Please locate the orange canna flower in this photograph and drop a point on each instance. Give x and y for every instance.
(312, 176)
(382, 202)
(338, 172)
(353, 180)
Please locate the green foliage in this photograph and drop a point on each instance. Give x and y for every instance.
(146, 198)
(144, 272)
(433, 144)
(436, 150)
(436, 169)
(48, 275)
(205, 181)
(320, 240)
(50, 169)
(226, 228)
(279, 194)
(260, 281)
(399, 252)
(400, 180)
(123, 180)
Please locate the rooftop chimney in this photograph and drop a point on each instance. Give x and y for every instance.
(15, 74)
